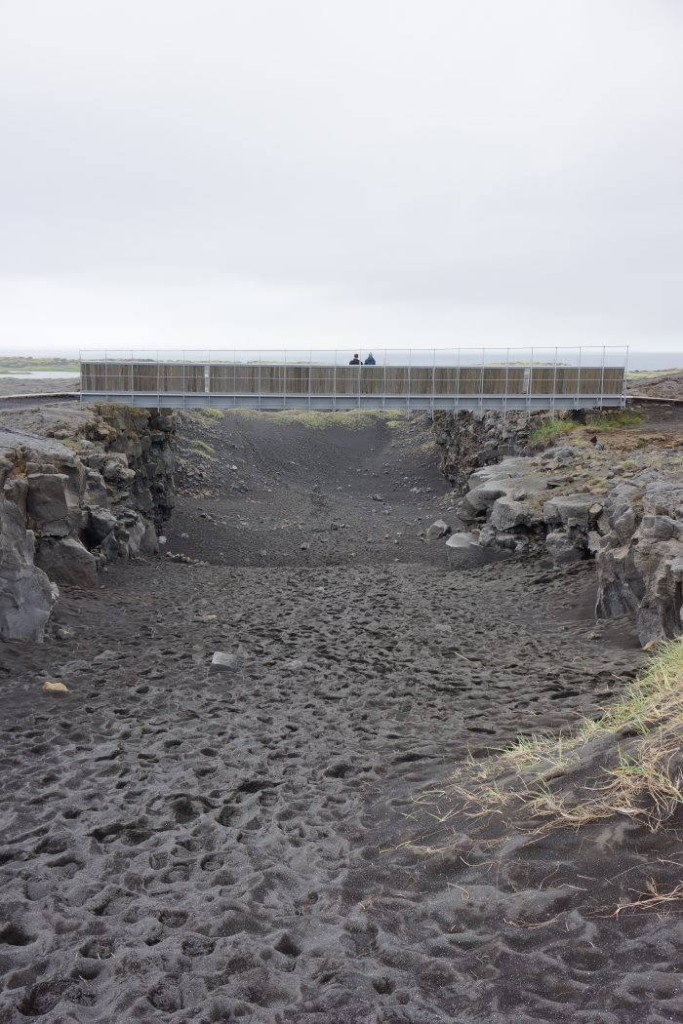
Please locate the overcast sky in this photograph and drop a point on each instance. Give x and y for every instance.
(360, 173)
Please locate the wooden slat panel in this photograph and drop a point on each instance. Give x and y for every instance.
(269, 379)
(614, 380)
(322, 380)
(348, 380)
(470, 380)
(445, 380)
(372, 380)
(222, 379)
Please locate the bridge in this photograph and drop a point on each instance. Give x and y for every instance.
(450, 380)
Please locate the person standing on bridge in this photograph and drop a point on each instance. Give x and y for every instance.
(355, 361)
(370, 361)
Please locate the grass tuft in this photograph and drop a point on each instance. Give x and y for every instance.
(615, 420)
(353, 419)
(551, 430)
(202, 448)
(627, 762)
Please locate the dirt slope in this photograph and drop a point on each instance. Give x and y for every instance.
(182, 846)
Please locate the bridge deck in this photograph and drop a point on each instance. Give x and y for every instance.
(315, 386)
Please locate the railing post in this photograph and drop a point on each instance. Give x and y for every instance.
(410, 361)
(507, 382)
(602, 380)
(259, 382)
(456, 402)
(431, 404)
(334, 380)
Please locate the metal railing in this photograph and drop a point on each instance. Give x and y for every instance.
(392, 378)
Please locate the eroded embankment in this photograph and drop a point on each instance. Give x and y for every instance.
(79, 488)
(182, 845)
(608, 489)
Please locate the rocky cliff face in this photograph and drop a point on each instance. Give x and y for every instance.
(65, 509)
(470, 440)
(574, 504)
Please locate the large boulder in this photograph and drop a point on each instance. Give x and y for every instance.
(640, 558)
(562, 550)
(134, 534)
(573, 510)
(508, 514)
(51, 503)
(26, 594)
(100, 523)
(66, 560)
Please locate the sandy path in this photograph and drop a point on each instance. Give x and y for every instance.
(182, 846)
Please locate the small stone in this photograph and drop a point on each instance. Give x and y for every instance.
(63, 633)
(438, 530)
(105, 656)
(305, 546)
(224, 662)
(52, 687)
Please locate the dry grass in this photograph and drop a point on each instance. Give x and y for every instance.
(202, 448)
(628, 762)
(652, 897)
(353, 419)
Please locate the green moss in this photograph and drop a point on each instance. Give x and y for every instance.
(615, 420)
(551, 430)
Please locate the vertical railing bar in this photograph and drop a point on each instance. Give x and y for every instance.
(334, 379)
(284, 383)
(531, 385)
(507, 382)
(433, 381)
(602, 381)
(183, 380)
(578, 380)
(457, 387)
(481, 382)
(554, 395)
(409, 383)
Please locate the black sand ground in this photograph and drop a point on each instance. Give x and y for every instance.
(181, 846)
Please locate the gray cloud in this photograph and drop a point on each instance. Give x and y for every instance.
(270, 173)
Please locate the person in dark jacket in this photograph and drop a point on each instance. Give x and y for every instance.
(355, 361)
(370, 361)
